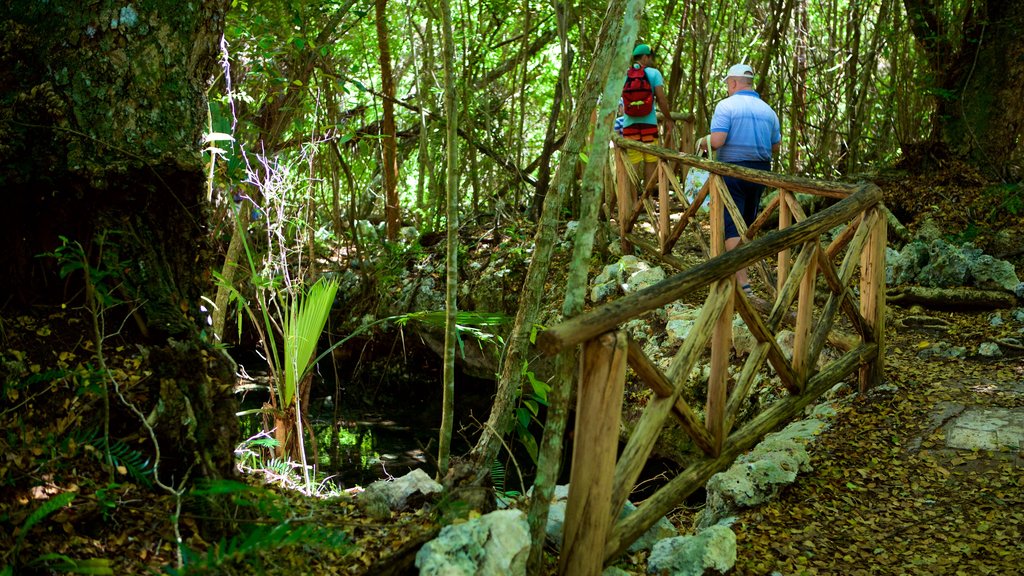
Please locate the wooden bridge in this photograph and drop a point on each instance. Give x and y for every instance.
(600, 481)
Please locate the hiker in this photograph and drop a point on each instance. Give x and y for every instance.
(641, 120)
(744, 131)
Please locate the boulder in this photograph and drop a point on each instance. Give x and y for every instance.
(938, 264)
(711, 551)
(628, 274)
(495, 544)
(383, 496)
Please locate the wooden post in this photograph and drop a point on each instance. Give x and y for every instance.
(785, 221)
(721, 348)
(717, 218)
(625, 200)
(805, 319)
(663, 205)
(588, 511)
(872, 300)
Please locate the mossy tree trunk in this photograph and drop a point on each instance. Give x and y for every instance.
(976, 61)
(102, 107)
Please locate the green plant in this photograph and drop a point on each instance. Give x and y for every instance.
(470, 323)
(39, 514)
(498, 480)
(528, 410)
(303, 322)
(106, 499)
(257, 540)
(54, 562)
(251, 542)
(118, 454)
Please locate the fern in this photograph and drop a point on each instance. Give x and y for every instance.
(39, 514)
(260, 539)
(498, 475)
(135, 463)
(61, 563)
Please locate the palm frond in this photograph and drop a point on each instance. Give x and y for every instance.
(304, 321)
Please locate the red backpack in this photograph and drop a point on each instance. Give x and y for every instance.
(637, 94)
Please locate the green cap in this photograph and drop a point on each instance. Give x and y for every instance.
(642, 49)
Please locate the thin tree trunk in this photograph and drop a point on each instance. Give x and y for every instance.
(798, 112)
(452, 216)
(544, 171)
(389, 153)
(489, 443)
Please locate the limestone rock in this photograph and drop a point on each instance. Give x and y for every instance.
(397, 494)
(712, 550)
(495, 544)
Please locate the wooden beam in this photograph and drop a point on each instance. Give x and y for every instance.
(787, 374)
(775, 180)
(775, 318)
(625, 200)
(718, 380)
(785, 221)
(663, 204)
(802, 364)
(662, 388)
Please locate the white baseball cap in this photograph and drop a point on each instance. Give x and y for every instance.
(740, 71)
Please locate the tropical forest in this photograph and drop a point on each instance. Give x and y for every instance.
(499, 287)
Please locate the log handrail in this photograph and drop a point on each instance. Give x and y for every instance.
(605, 317)
(786, 181)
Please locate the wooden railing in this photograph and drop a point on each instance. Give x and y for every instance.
(600, 482)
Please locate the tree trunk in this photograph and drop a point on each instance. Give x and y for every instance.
(389, 152)
(979, 76)
(103, 113)
(452, 246)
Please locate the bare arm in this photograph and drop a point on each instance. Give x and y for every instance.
(718, 139)
(666, 112)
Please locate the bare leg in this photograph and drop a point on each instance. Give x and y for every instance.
(650, 170)
(741, 274)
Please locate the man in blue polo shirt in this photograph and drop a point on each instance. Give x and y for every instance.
(744, 131)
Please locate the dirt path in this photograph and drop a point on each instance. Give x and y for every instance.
(888, 495)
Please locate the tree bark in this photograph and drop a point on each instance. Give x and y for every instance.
(979, 76)
(452, 246)
(101, 126)
(389, 152)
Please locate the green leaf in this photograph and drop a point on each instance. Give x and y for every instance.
(530, 443)
(304, 321)
(523, 417)
(39, 514)
(217, 487)
(540, 388)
